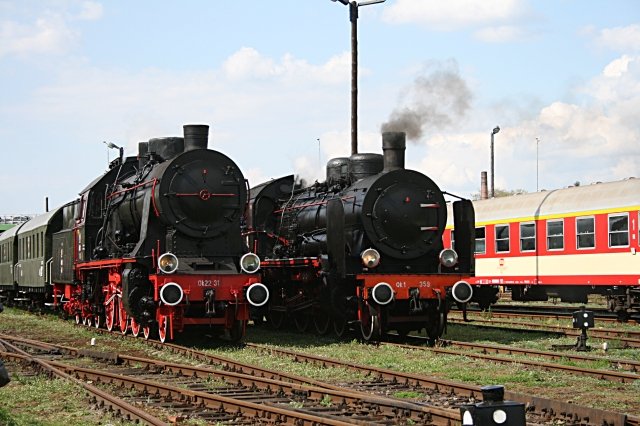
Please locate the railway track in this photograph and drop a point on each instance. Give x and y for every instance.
(539, 410)
(104, 399)
(600, 313)
(549, 312)
(626, 338)
(184, 387)
(487, 353)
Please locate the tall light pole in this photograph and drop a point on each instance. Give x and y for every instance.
(318, 139)
(493, 132)
(353, 17)
(537, 144)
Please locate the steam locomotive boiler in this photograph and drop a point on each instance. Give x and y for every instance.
(155, 245)
(364, 248)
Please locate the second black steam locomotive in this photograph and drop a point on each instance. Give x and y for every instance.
(362, 249)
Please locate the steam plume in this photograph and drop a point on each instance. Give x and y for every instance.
(433, 101)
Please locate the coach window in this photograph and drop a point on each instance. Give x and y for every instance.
(480, 240)
(528, 236)
(555, 235)
(585, 232)
(619, 230)
(502, 238)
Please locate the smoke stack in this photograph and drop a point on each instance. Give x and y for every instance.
(393, 146)
(196, 136)
(484, 191)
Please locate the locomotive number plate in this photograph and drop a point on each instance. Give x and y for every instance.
(420, 284)
(209, 283)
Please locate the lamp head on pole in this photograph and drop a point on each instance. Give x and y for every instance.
(495, 130)
(111, 145)
(368, 2)
(362, 3)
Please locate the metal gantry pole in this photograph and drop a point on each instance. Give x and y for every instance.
(493, 132)
(353, 17)
(537, 145)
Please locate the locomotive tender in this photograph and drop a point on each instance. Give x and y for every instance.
(364, 248)
(153, 244)
(566, 243)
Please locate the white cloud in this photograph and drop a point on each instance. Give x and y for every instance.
(591, 139)
(248, 63)
(264, 113)
(619, 67)
(455, 14)
(621, 39)
(50, 32)
(602, 128)
(49, 35)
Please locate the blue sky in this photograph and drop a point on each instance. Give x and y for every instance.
(273, 77)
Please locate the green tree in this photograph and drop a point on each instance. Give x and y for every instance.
(501, 193)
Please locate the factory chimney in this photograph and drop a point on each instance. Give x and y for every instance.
(484, 191)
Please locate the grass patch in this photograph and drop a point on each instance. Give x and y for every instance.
(39, 400)
(408, 395)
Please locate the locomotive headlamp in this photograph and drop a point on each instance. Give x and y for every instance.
(370, 258)
(448, 258)
(171, 294)
(168, 263)
(250, 263)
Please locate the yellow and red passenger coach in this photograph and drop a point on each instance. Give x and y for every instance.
(566, 243)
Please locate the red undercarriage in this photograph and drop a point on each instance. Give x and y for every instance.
(228, 291)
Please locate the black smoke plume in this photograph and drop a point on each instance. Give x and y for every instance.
(434, 101)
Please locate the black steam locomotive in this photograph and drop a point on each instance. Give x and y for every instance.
(154, 244)
(362, 249)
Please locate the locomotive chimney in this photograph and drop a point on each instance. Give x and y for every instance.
(393, 146)
(484, 191)
(196, 136)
